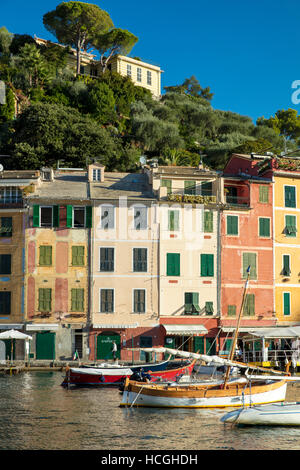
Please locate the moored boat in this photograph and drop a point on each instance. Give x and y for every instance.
(235, 393)
(117, 375)
(276, 414)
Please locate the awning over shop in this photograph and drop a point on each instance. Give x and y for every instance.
(185, 330)
(231, 329)
(277, 332)
(117, 326)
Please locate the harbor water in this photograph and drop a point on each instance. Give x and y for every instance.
(36, 413)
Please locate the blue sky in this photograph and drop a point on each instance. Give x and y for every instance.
(246, 51)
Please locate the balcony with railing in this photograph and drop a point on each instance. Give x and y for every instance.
(237, 194)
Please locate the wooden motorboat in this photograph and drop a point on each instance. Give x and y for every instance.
(276, 414)
(117, 375)
(235, 393)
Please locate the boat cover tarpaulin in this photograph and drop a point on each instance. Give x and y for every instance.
(284, 332)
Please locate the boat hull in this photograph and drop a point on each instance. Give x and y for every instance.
(117, 376)
(201, 396)
(285, 414)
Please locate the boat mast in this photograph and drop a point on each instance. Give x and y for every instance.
(237, 326)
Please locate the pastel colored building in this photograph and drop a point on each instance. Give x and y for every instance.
(56, 265)
(189, 271)
(247, 235)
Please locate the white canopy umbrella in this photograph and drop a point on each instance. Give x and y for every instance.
(14, 334)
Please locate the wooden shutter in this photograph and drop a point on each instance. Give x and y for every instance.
(173, 264)
(264, 227)
(190, 187)
(55, 216)
(107, 301)
(232, 225)
(45, 297)
(263, 194)
(209, 308)
(88, 216)
(208, 221)
(69, 223)
(140, 259)
(231, 310)
(207, 265)
(168, 185)
(45, 256)
(286, 303)
(36, 216)
(290, 196)
(139, 301)
(249, 259)
(249, 306)
(286, 265)
(290, 225)
(77, 300)
(106, 259)
(174, 220)
(77, 255)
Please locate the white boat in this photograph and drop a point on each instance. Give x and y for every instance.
(275, 414)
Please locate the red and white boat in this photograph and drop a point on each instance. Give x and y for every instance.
(116, 375)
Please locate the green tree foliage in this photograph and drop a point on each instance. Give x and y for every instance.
(77, 24)
(114, 42)
(191, 87)
(5, 41)
(7, 110)
(102, 104)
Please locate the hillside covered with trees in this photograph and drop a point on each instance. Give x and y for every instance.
(63, 115)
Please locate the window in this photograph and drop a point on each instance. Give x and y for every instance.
(5, 303)
(290, 196)
(78, 217)
(168, 185)
(139, 300)
(207, 265)
(191, 303)
(45, 256)
(139, 74)
(173, 219)
(286, 303)
(173, 264)
(6, 227)
(149, 78)
(286, 270)
(5, 264)
(96, 174)
(290, 225)
(45, 298)
(140, 259)
(10, 195)
(140, 218)
(209, 308)
(77, 300)
(264, 227)
(107, 259)
(106, 300)
(264, 194)
(232, 225)
(249, 259)
(107, 217)
(128, 70)
(249, 305)
(190, 187)
(231, 310)
(208, 221)
(46, 216)
(206, 189)
(77, 255)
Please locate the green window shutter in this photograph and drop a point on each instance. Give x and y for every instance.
(232, 225)
(190, 187)
(249, 259)
(290, 196)
(174, 220)
(45, 256)
(191, 303)
(286, 265)
(55, 215)
(77, 255)
(45, 297)
(168, 185)
(249, 306)
(77, 300)
(36, 216)
(264, 227)
(208, 221)
(207, 265)
(286, 303)
(231, 312)
(69, 216)
(209, 308)
(290, 225)
(173, 264)
(264, 194)
(88, 216)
